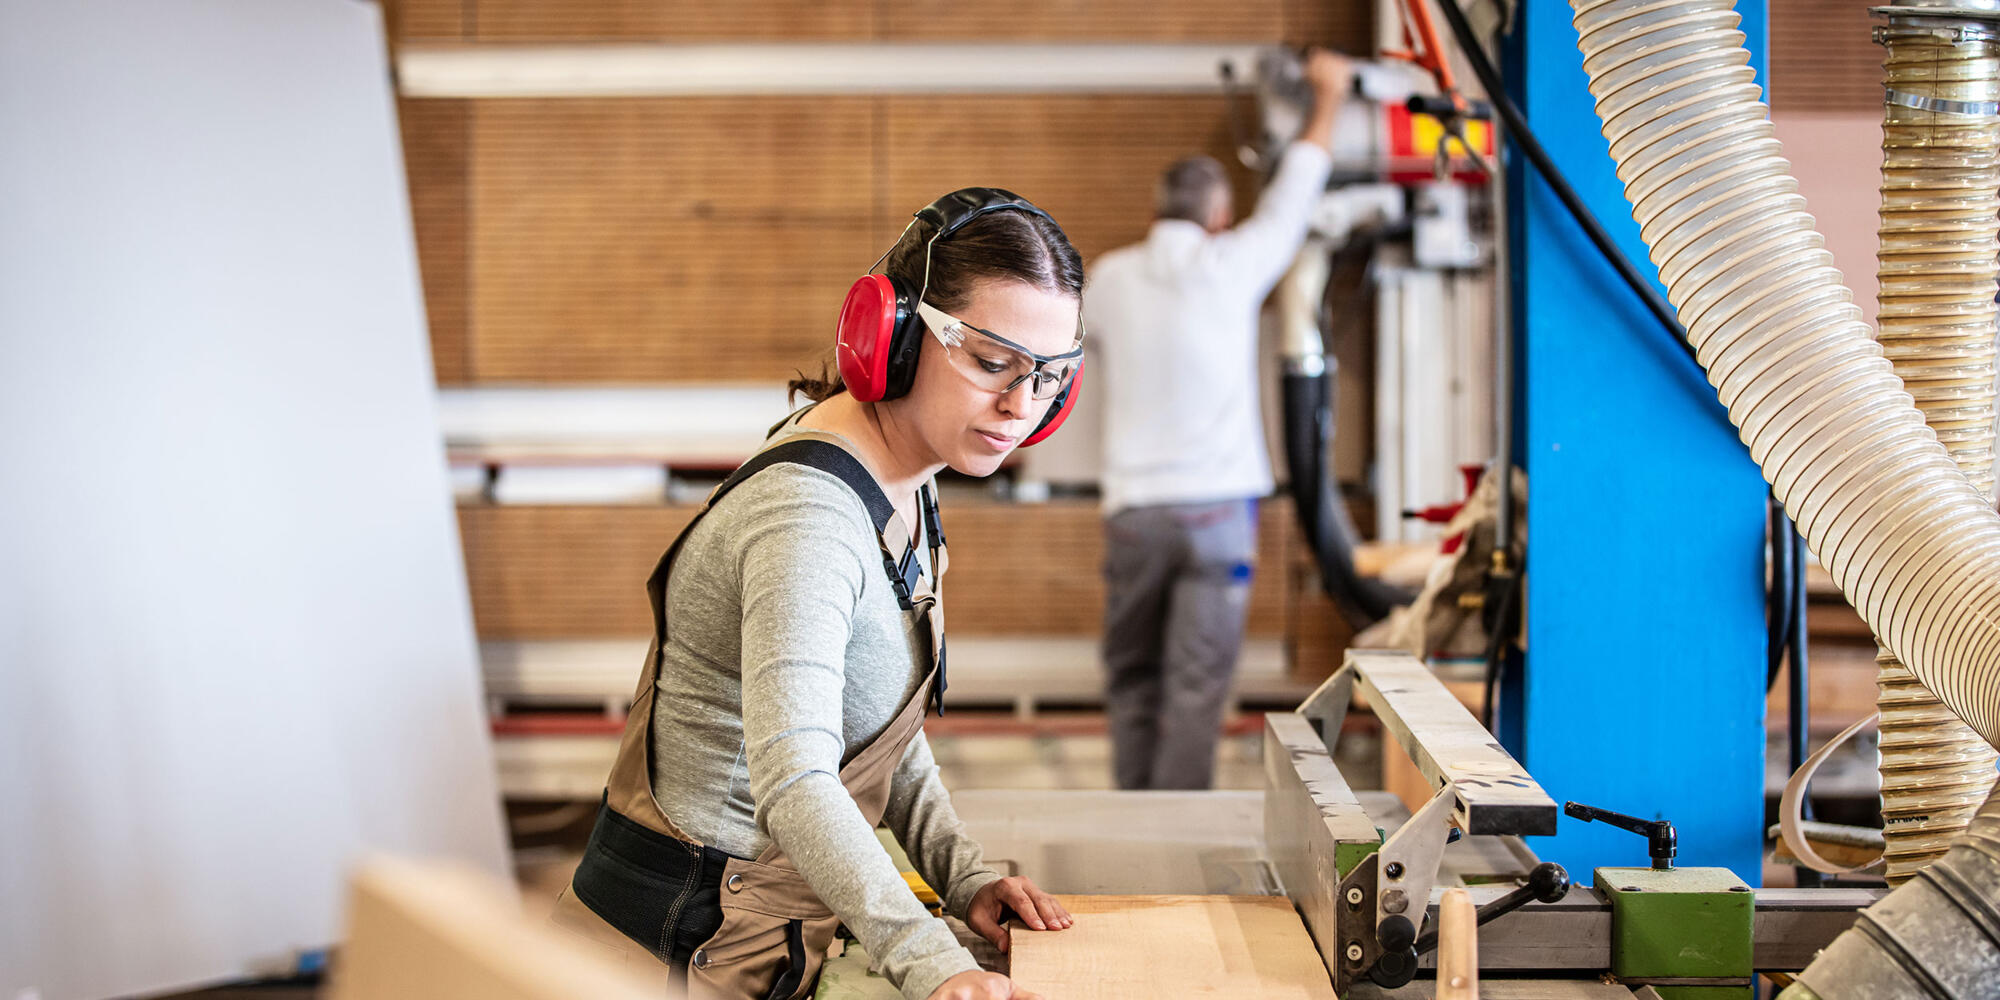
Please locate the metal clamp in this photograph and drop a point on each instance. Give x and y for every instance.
(1905, 99)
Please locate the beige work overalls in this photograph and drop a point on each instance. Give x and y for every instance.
(775, 932)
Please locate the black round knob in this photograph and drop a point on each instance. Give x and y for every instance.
(1396, 933)
(1549, 881)
(1394, 968)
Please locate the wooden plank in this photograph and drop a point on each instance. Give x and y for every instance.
(1148, 946)
(446, 932)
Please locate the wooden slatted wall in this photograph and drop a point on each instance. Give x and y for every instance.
(711, 239)
(649, 240)
(1822, 57)
(1345, 24)
(560, 572)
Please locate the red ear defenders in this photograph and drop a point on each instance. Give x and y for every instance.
(879, 333)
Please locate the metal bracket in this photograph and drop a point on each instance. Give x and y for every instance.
(1495, 794)
(1409, 860)
(1393, 883)
(1326, 707)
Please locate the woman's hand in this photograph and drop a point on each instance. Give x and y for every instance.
(987, 915)
(980, 986)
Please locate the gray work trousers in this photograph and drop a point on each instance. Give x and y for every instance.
(1177, 580)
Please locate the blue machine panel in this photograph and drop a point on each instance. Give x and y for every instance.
(1643, 684)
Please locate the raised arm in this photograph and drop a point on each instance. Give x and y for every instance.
(1258, 250)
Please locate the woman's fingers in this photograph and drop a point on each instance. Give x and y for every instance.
(985, 922)
(1015, 895)
(1053, 913)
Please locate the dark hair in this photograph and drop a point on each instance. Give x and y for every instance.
(1190, 188)
(1009, 245)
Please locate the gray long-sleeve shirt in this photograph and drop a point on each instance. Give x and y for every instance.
(786, 654)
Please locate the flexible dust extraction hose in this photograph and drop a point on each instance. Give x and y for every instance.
(1910, 541)
(1931, 937)
(1940, 211)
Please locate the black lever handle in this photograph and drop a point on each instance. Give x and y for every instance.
(1660, 839)
(1444, 108)
(1547, 882)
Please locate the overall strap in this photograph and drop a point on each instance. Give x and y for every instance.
(899, 557)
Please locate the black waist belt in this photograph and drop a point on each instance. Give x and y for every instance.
(654, 888)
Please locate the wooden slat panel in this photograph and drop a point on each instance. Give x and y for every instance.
(1090, 161)
(435, 143)
(1342, 25)
(1039, 567)
(564, 572)
(1073, 21)
(1822, 58)
(673, 20)
(427, 20)
(666, 240)
(579, 572)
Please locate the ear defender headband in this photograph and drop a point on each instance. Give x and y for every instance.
(880, 334)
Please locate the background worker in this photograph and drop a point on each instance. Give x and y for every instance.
(1174, 327)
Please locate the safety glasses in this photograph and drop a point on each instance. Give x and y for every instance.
(996, 364)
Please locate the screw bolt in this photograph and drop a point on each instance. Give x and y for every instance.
(1395, 901)
(1354, 952)
(1354, 896)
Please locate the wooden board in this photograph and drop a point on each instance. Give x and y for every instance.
(444, 932)
(1184, 946)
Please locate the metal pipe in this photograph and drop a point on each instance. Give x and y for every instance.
(1937, 267)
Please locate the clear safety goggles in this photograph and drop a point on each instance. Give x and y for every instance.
(996, 364)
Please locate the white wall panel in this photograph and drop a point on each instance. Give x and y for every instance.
(235, 644)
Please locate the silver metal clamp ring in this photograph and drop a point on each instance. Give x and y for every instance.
(1941, 105)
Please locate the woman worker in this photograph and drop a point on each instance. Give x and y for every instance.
(799, 642)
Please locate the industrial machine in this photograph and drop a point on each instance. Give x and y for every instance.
(1878, 447)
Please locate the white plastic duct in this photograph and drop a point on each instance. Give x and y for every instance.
(1878, 499)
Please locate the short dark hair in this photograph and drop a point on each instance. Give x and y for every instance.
(1189, 189)
(1008, 245)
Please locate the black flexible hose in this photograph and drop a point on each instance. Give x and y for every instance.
(1308, 405)
(1524, 139)
(1777, 596)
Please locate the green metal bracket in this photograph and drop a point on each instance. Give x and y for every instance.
(1679, 924)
